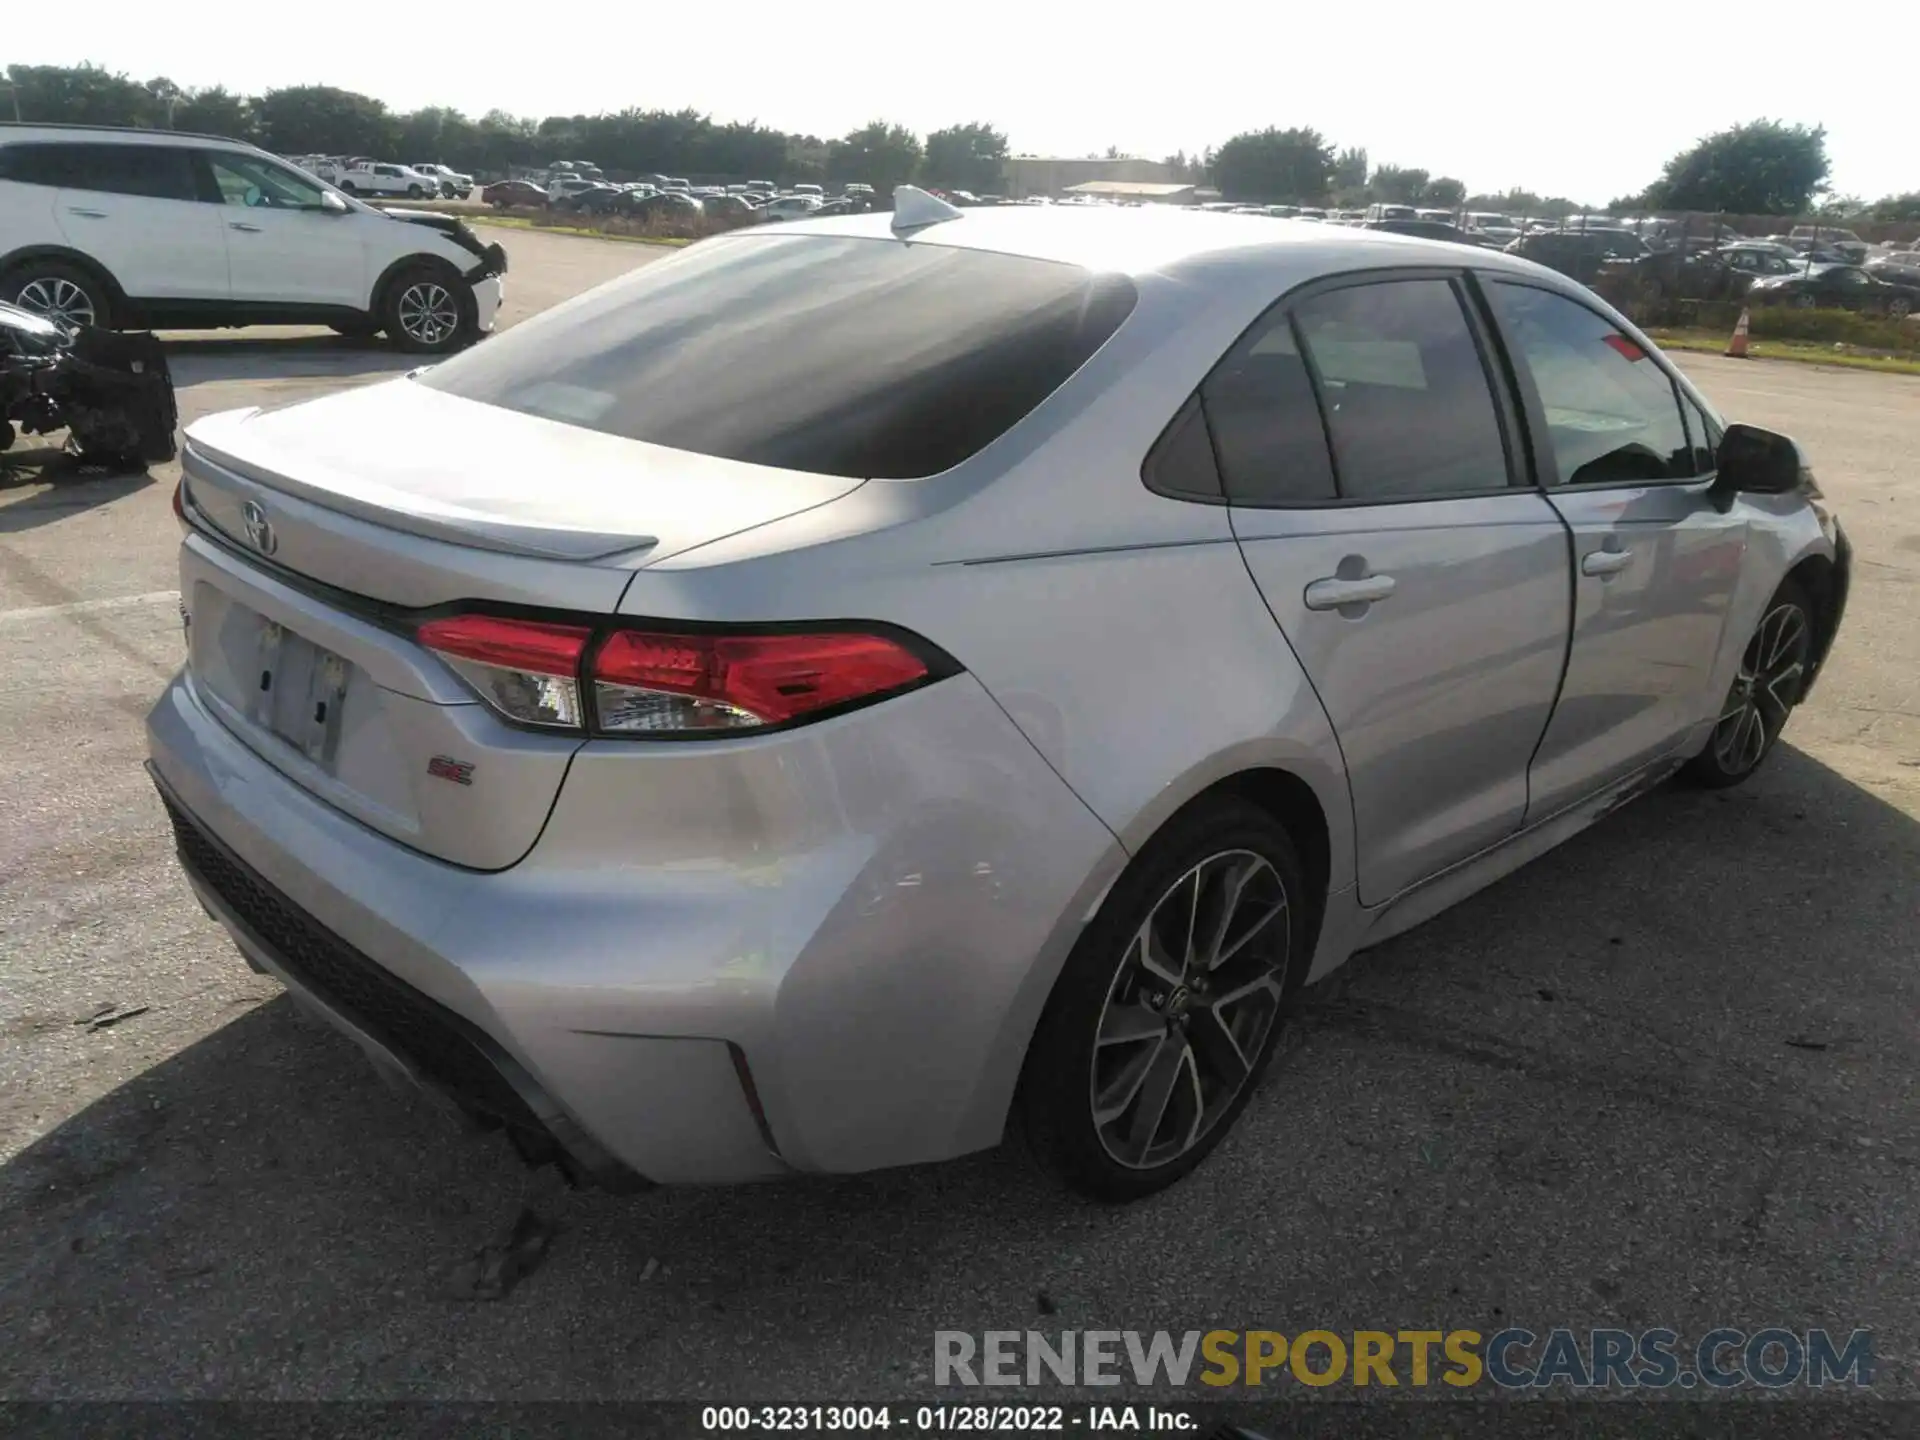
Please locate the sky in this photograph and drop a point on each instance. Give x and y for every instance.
(1584, 102)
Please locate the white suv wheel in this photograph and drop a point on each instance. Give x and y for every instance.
(58, 298)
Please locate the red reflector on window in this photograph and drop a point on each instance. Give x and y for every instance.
(1626, 347)
(747, 679)
(526, 645)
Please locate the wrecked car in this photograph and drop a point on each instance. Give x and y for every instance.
(112, 393)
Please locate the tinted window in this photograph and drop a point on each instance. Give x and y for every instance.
(840, 356)
(1181, 462)
(1613, 415)
(156, 171)
(1266, 427)
(1406, 397)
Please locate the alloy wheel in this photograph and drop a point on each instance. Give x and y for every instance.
(1190, 1009)
(428, 312)
(1772, 673)
(57, 298)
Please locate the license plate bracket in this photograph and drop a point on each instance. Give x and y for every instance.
(299, 693)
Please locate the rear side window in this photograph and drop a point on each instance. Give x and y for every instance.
(1407, 402)
(1613, 415)
(840, 356)
(1266, 427)
(158, 172)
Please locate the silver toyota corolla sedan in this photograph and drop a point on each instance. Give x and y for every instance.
(857, 688)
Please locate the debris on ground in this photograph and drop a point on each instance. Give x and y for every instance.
(495, 1269)
(652, 1266)
(109, 1015)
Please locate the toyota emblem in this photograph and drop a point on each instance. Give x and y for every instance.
(259, 529)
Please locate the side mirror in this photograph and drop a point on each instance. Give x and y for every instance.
(332, 204)
(1752, 461)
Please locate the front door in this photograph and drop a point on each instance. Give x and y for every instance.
(1655, 563)
(283, 247)
(1423, 589)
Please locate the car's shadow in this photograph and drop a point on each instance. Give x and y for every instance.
(319, 355)
(1699, 991)
(73, 485)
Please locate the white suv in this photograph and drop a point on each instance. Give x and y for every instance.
(120, 228)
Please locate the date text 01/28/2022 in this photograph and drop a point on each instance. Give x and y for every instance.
(945, 1419)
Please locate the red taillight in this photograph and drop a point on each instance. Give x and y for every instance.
(526, 669)
(665, 684)
(646, 682)
(180, 500)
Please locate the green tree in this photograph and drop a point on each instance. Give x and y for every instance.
(81, 95)
(1444, 190)
(1897, 207)
(1761, 168)
(215, 111)
(1350, 170)
(966, 157)
(879, 154)
(323, 120)
(1274, 165)
(1398, 185)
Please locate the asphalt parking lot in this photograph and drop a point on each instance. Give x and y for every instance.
(1663, 1077)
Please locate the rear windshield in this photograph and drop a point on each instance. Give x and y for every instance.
(865, 358)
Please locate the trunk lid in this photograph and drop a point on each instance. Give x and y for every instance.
(317, 531)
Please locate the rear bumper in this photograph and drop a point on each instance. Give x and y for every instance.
(822, 951)
(407, 1035)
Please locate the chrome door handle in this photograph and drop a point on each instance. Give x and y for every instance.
(1605, 562)
(89, 214)
(1333, 592)
(242, 225)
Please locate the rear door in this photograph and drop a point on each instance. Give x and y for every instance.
(1628, 461)
(281, 245)
(1421, 582)
(135, 209)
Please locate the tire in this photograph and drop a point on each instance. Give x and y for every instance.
(348, 187)
(1771, 679)
(1132, 1025)
(1899, 307)
(1804, 301)
(427, 310)
(414, 192)
(56, 288)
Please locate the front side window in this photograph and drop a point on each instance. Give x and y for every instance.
(837, 355)
(1613, 415)
(249, 180)
(1407, 402)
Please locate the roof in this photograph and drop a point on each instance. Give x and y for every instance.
(1161, 239)
(1143, 189)
(24, 129)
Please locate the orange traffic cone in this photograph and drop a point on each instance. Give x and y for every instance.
(1737, 346)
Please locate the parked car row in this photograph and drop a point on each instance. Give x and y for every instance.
(667, 197)
(363, 175)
